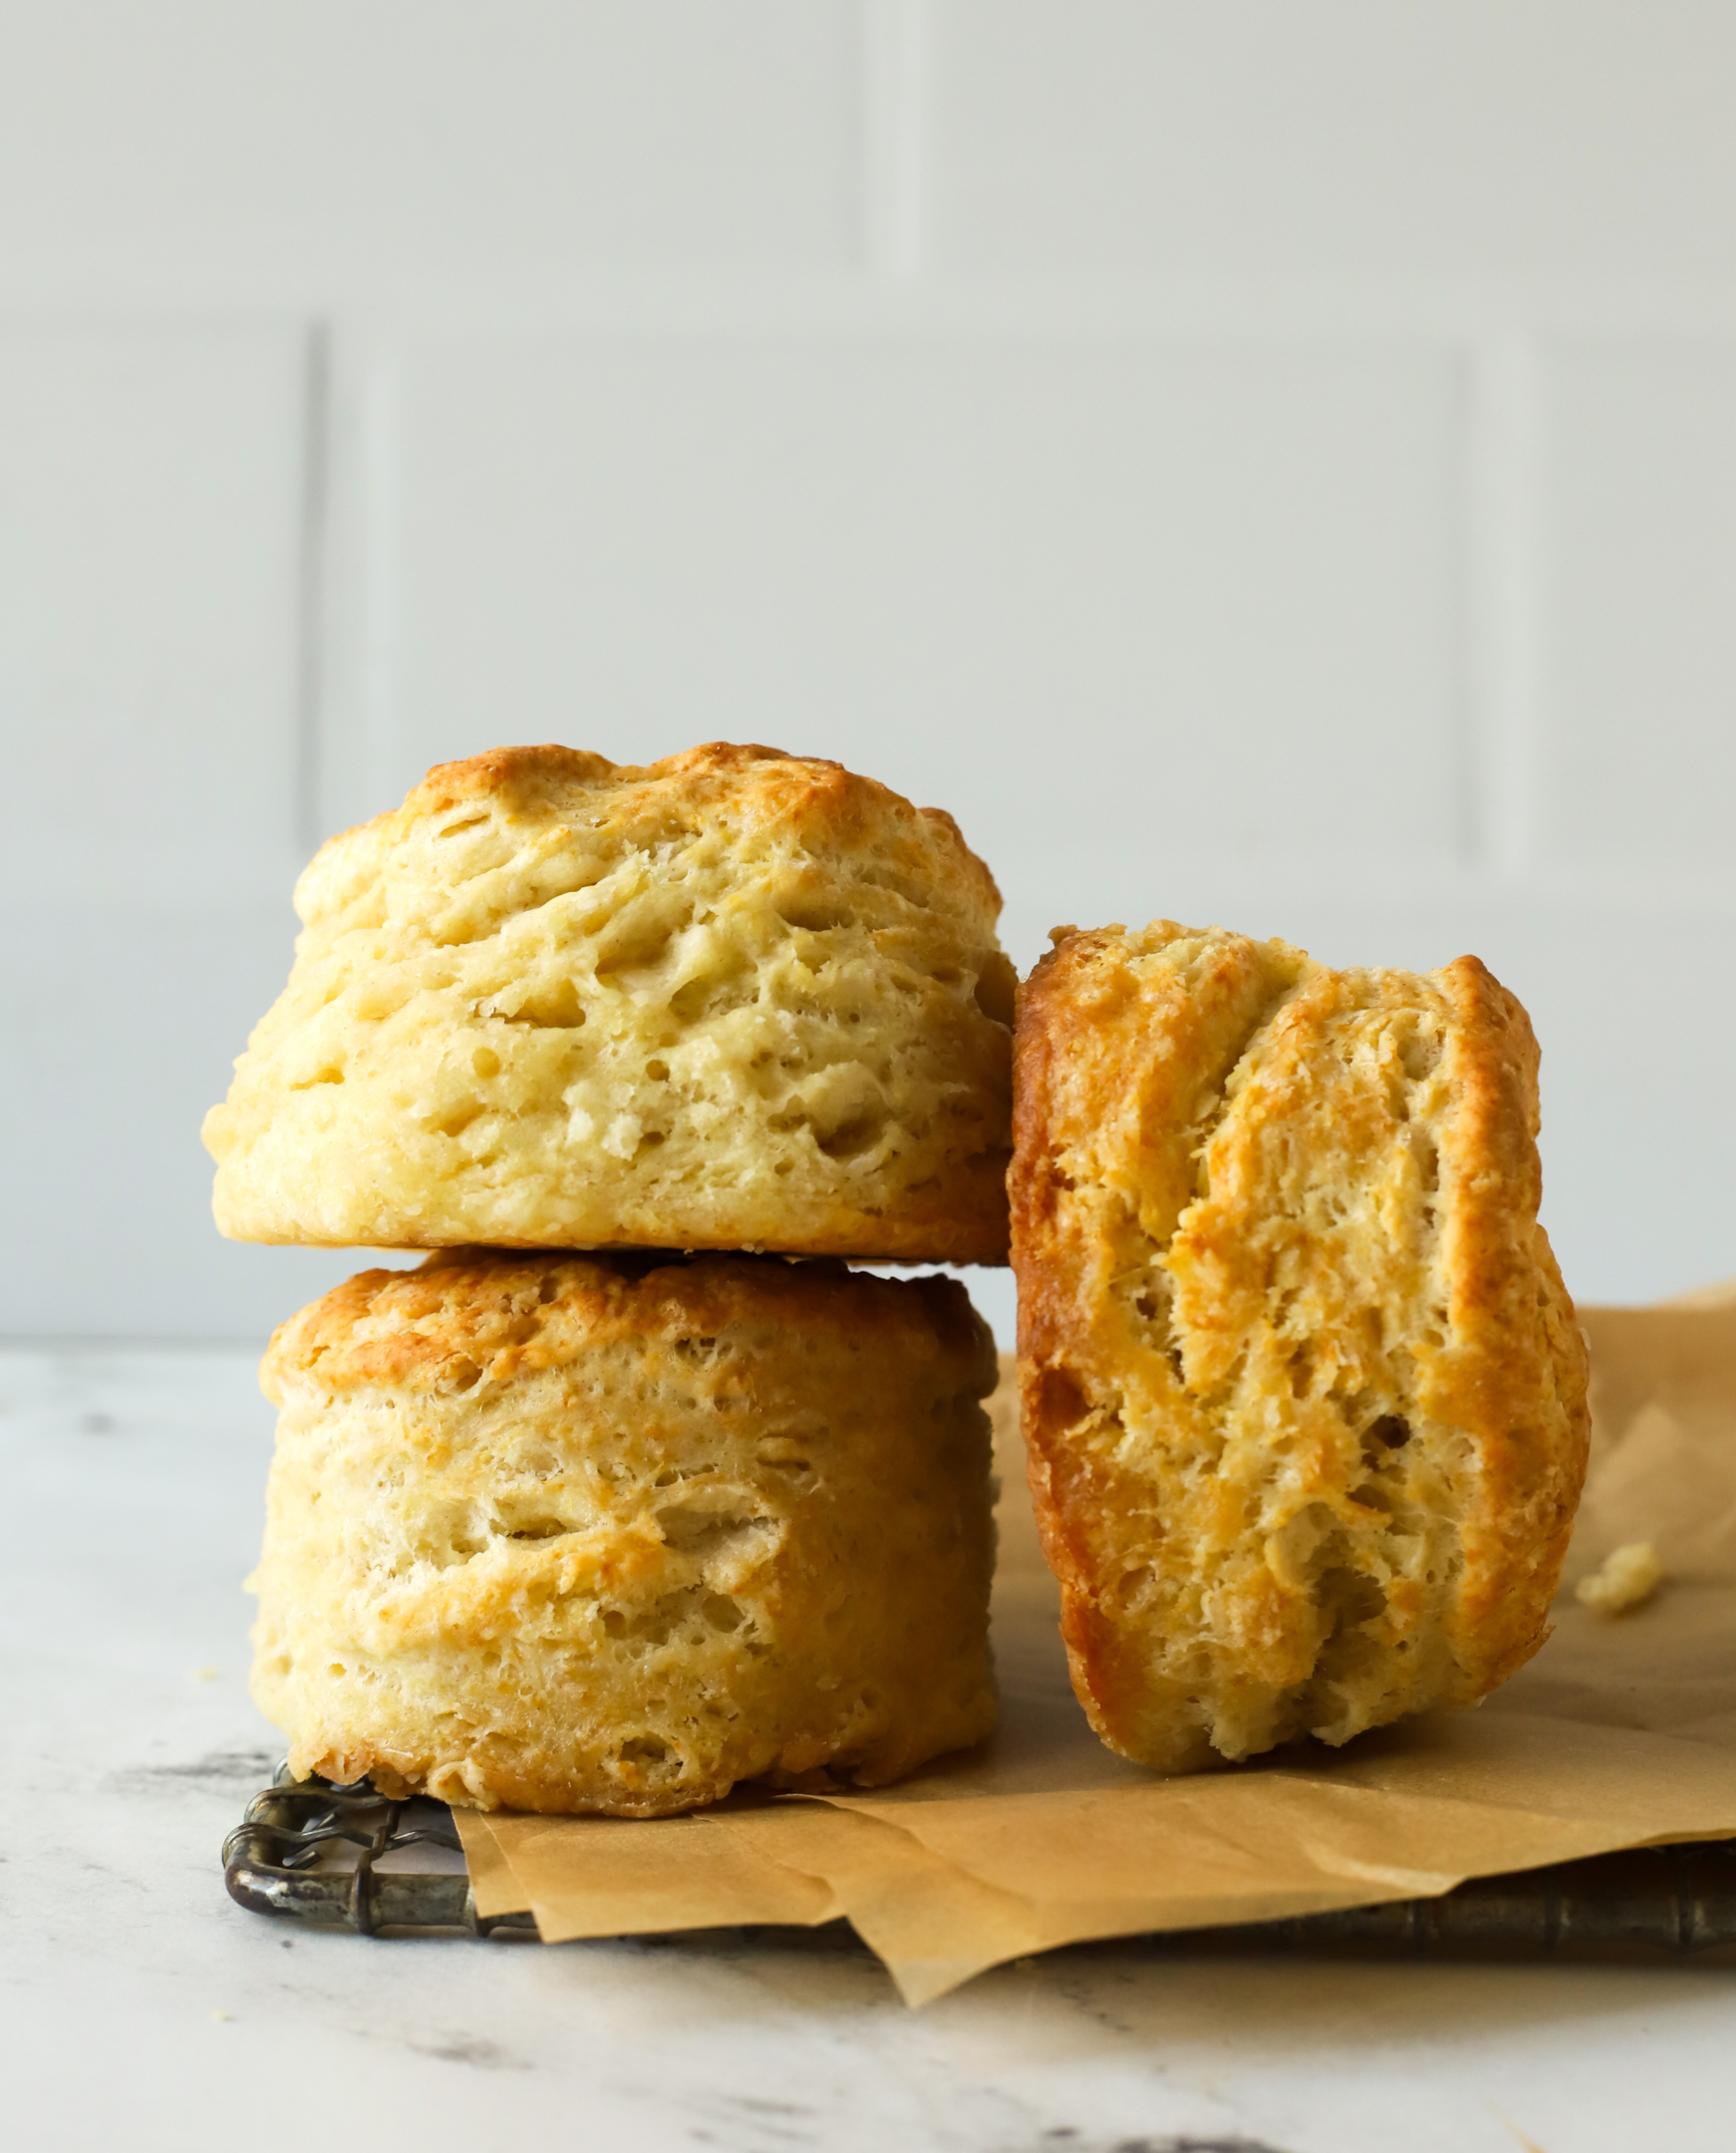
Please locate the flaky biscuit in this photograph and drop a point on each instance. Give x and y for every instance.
(1304, 1391)
(731, 999)
(570, 1533)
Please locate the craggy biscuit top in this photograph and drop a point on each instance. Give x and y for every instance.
(471, 1314)
(507, 831)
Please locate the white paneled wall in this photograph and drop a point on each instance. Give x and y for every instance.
(1636, 611)
(1351, 139)
(353, 146)
(1274, 463)
(975, 566)
(152, 505)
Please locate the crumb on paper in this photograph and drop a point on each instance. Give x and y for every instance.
(223, 2018)
(1626, 1579)
(204, 1674)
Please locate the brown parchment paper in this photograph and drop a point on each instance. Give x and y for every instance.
(1620, 1732)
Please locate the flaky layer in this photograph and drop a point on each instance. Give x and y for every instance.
(565, 1533)
(731, 999)
(1304, 1391)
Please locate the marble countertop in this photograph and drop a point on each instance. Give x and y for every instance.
(142, 2010)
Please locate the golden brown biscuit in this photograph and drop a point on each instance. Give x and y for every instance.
(731, 999)
(578, 1533)
(1304, 1393)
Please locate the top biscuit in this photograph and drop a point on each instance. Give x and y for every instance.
(731, 999)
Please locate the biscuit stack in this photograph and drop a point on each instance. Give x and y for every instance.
(1302, 1390)
(615, 1530)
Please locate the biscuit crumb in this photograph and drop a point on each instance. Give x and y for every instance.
(204, 1674)
(1626, 1580)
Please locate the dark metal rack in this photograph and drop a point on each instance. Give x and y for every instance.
(1649, 1903)
(310, 1850)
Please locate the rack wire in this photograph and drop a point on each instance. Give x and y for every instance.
(310, 1851)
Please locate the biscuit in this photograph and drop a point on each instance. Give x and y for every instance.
(1304, 1391)
(577, 1533)
(733, 999)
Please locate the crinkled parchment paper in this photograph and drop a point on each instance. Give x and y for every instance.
(1620, 1732)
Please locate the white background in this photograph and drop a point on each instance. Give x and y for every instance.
(1266, 462)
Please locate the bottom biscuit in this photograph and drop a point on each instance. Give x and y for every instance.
(572, 1533)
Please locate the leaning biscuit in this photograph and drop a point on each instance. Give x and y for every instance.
(731, 999)
(1303, 1388)
(568, 1533)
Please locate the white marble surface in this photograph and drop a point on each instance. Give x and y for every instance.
(141, 2010)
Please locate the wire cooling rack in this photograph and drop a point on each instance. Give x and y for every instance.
(328, 1856)
(314, 1851)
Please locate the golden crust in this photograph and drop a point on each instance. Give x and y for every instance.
(570, 1533)
(733, 999)
(1304, 1393)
